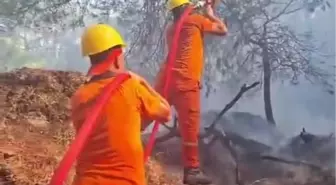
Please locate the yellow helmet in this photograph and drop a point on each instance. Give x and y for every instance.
(98, 38)
(176, 3)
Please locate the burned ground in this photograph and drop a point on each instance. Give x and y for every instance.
(35, 131)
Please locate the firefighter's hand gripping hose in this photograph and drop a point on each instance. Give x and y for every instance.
(76, 146)
(170, 60)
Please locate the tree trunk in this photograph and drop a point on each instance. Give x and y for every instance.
(267, 86)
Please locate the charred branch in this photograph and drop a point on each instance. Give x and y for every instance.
(173, 131)
(292, 162)
(228, 106)
(326, 174)
(308, 138)
(227, 143)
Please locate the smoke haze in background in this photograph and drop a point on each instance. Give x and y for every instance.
(304, 105)
(294, 107)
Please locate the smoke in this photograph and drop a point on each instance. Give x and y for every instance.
(294, 107)
(304, 105)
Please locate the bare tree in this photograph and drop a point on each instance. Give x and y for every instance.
(273, 46)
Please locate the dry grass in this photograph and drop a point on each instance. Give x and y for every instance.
(32, 157)
(38, 95)
(35, 129)
(156, 175)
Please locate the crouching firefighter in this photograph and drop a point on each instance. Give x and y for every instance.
(186, 75)
(114, 152)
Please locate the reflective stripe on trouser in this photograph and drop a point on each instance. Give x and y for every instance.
(187, 105)
(186, 100)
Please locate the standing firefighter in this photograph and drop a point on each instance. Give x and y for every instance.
(184, 90)
(114, 153)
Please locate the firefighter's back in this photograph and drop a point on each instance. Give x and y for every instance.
(113, 154)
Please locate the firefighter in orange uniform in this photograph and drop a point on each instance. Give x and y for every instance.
(114, 152)
(187, 69)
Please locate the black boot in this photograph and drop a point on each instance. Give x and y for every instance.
(194, 176)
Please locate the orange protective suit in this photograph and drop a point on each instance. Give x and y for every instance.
(114, 152)
(184, 87)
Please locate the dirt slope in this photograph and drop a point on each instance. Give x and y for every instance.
(35, 128)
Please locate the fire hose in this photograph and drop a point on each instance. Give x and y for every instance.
(77, 145)
(170, 61)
